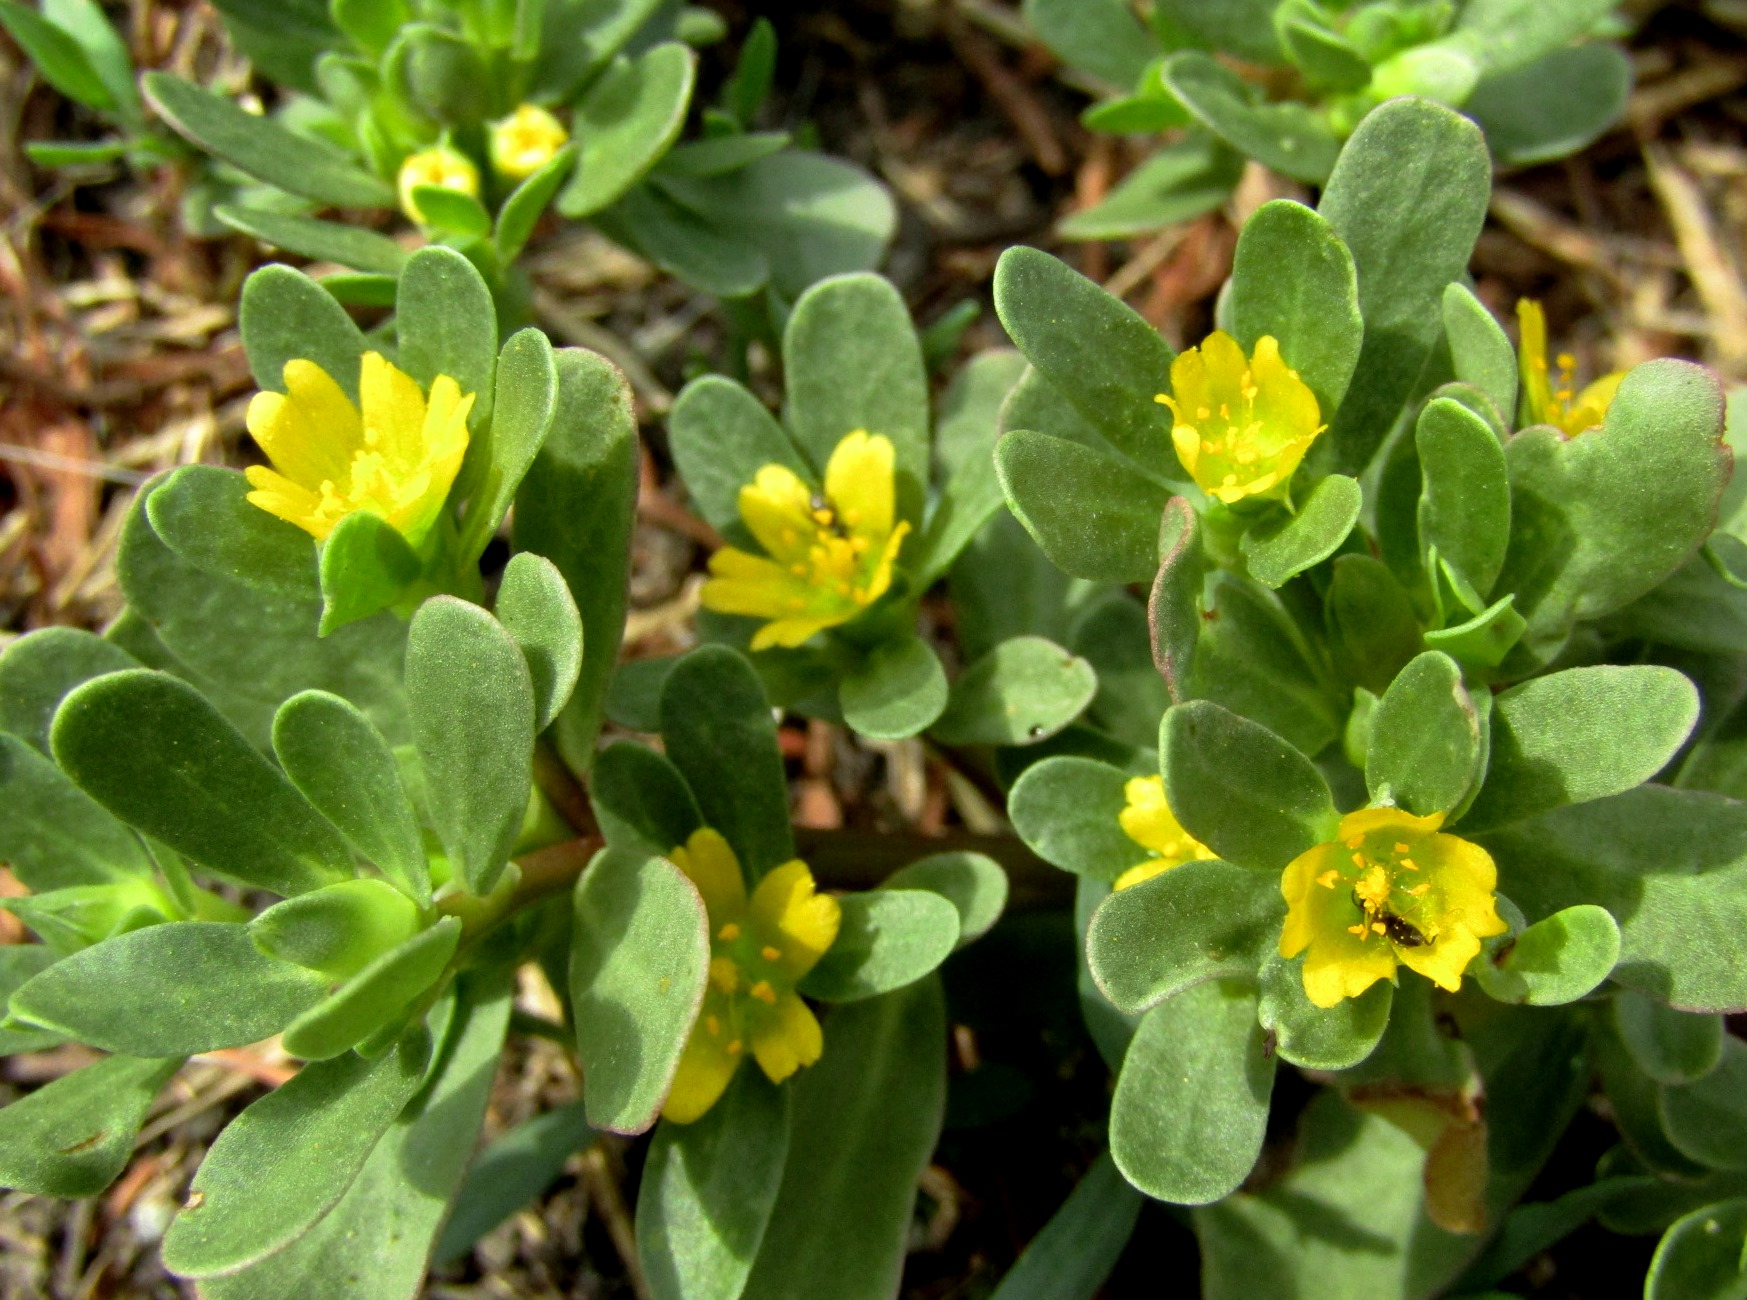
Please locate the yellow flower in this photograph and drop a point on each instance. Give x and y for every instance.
(1148, 820)
(525, 141)
(1390, 889)
(759, 950)
(1568, 411)
(1241, 425)
(438, 165)
(830, 556)
(397, 458)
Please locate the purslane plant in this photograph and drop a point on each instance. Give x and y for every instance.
(378, 756)
(472, 119)
(1419, 771)
(1285, 82)
(1405, 828)
(837, 519)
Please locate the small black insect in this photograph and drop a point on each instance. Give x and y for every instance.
(1402, 931)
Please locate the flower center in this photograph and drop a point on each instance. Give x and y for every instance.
(1388, 891)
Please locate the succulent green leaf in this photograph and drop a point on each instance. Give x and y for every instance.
(341, 763)
(863, 1124)
(1289, 137)
(793, 217)
(73, 1136)
(576, 506)
(853, 361)
(1426, 750)
(535, 607)
(1024, 690)
(375, 996)
(641, 799)
(1556, 960)
(625, 122)
(1240, 789)
(708, 1189)
(1700, 1256)
(53, 834)
(1328, 60)
(1192, 923)
(1252, 658)
(720, 735)
(366, 567)
(284, 316)
(1553, 107)
(898, 690)
(61, 58)
(1101, 36)
(1668, 864)
(1191, 1103)
(339, 930)
(1600, 519)
(355, 247)
(1670, 1046)
(1707, 1118)
(639, 958)
(722, 436)
(1479, 348)
(888, 938)
(1292, 278)
(1285, 546)
(1183, 180)
(1581, 734)
(471, 701)
(514, 1170)
(154, 752)
(374, 1244)
(974, 884)
(1067, 811)
(41, 667)
(1079, 1246)
(286, 1160)
(445, 324)
(443, 75)
(176, 989)
(1464, 505)
(524, 409)
(202, 513)
(1098, 352)
(1407, 197)
(1091, 513)
(1313, 1037)
(522, 210)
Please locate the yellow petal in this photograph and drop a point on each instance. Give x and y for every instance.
(776, 509)
(393, 408)
(791, 633)
(709, 863)
(1443, 960)
(1143, 871)
(1366, 820)
(858, 483)
(787, 1037)
(786, 904)
(279, 496)
(1147, 819)
(743, 583)
(1305, 910)
(880, 577)
(1532, 361)
(705, 1069)
(1340, 966)
(311, 431)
